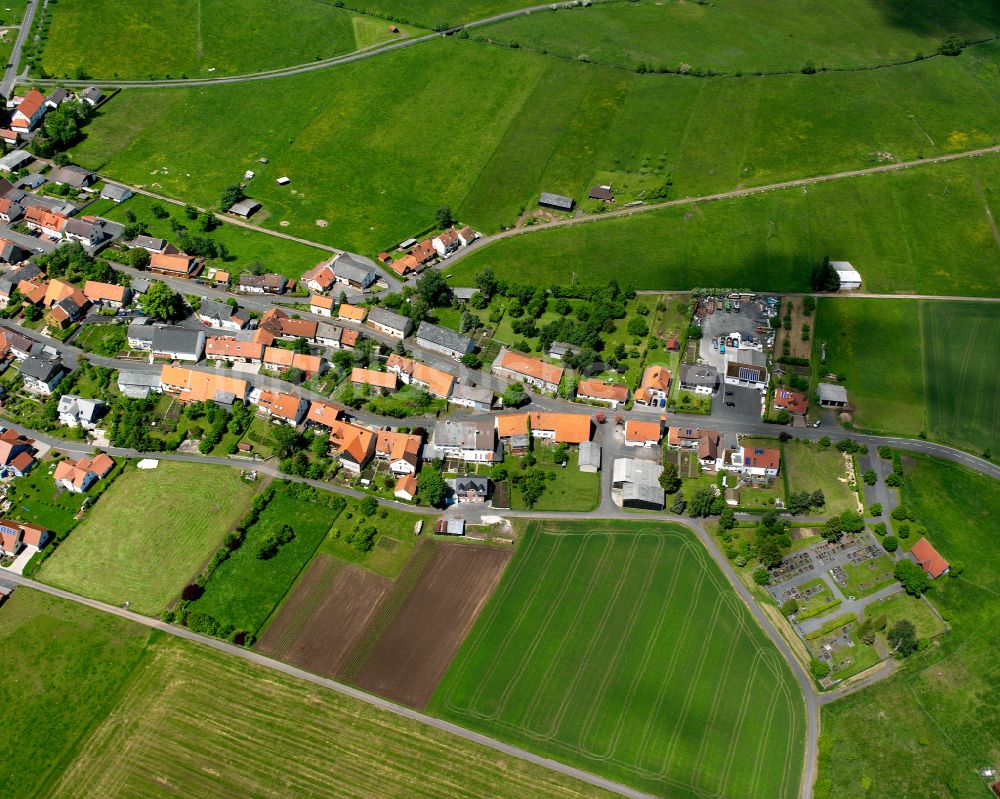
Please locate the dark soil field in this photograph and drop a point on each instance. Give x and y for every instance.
(410, 657)
(330, 608)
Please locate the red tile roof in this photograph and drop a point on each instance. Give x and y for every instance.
(929, 559)
(791, 400)
(569, 428)
(532, 367)
(636, 430)
(598, 389)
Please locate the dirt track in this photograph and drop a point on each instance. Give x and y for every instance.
(412, 655)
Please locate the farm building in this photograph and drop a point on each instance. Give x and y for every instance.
(474, 442)
(441, 339)
(137, 385)
(115, 193)
(561, 428)
(515, 366)
(245, 208)
(831, 395)
(590, 457)
(478, 398)
(15, 160)
(850, 278)
(556, 201)
(350, 271)
(602, 193)
(639, 482)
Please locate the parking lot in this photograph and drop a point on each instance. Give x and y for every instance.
(749, 322)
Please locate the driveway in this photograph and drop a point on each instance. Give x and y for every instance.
(747, 408)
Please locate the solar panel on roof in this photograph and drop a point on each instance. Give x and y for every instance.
(758, 452)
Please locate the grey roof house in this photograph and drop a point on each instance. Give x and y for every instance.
(73, 175)
(441, 339)
(390, 322)
(77, 411)
(115, 193)
(352, 272)
(471, 488)
(556, 201)
(41, 373)
(138, 385)
(178, 343)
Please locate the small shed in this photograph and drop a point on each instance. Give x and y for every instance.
(115, 193)
(831, 395)
(590, 457)
(850, 278)
(556, 201)
(450, 527)
(602, 193)
(245, 208)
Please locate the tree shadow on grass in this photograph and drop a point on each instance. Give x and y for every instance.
(972, 18)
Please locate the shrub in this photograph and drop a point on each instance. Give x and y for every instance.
(903, 530)
(790, 607)
(890, 543)
(875, 509)
(880, 528)
(761, 576)
(191, 592)
(819, 668)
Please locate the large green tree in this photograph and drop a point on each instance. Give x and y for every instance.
(162, 302)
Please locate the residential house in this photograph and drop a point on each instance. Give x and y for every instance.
(222, 316)
(469, 396)
(406, 488)
(639, 483)
(401, 450)
(328, 335)
(441, 339)
(91, 95)
(756, 463)
(138, 385)
(139, 286)
(561, 428)
(349, 339)
(75, 411)
(42, 373)
(592, 390)
(17, 453)
(467, 235)
(220, 279)
(323, 306)
(177, 343)
(115, 193)
(279, 324)
(751, 373)
(352, 313)
(405, 265)
(319, 278)
(389, 322)
(470, 488)
(149, 244)
(435, 381)
(683, 437)
(15, 535)
(224, 348)
(558, 350)
(710, 450)
(88, 231)
(355, 445)
(9, 137)
(349, 271)
(322, 414)
(280, 359)
(270, 283)
(590, 457)
(73, 175)
(140, 333)
(10, 211)
(929, 559)
(792, 401)
(107, 294)
(280, 406)
(446, 242)
(642, 434)
(174, 265)
(516, 366)
(655, 386)
(46, 222)
(193, 386)
(29, 112)
(57, 97)
(473, 442)
(380, 381)
(11, 253)
(830, 395)
(21, 347)
(699, 378)
(78, 476)
(424, 252)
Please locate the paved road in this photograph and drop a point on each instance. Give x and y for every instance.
(349, 58)
(340, 688)
(10, 73)
(581, 219)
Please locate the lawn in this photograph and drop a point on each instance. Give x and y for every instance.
(393, 544)
(51, 649)
(767, 242)
(569, 489)
(107, 339)
(748, 36)
(812, 467)
(818, 603)
(116, 39)
(244, 590)
(116, 724)
(941, 378)
(937, 717)
(245, 247)
(621, 649)
(36, 499)
(149, 534)
(564, 123)
(868, 577)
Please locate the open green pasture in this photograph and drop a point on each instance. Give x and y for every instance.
(245, 247)
(530, 122)
(902, 231)
(436, 13)
(621, 649)
(812, 467)
(149, 533)
(120, 712)
(937, 717)
(121, 40)
(244, 590)
(748, 36)
(941, 373)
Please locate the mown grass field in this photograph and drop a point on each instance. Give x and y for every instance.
(433, 12)
(769, 242)
(163, 737)
(810, 467)
(117, 39)
(941, 377)
(245, 247)
(937, 718)
(621, 649)
(244, 590)
(562, 123)
(149, 534)
(748, 35)
(65, 667)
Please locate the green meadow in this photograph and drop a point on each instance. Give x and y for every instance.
(622, 650)
(367, 170)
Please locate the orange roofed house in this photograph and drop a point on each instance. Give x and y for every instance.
(929, 559)
(107, 293)
(592, 390)
(642, 434)
(355, 445)
(279, 406)
(370, 377)
(280, 359)
(402, 450)
(437, 382)
(759, 463)
(77, 476)
(792, 401)
(14, 535)
(322, 414)
(192, 386)
(654, 387)
(352, 313)
(179, 265)
(29, 112)
(406, 488)
(516, 366)
(562, 428)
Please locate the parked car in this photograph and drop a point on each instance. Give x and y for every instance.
(817, 423)
(730, 404)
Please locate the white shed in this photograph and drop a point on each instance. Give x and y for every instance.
(850, 278)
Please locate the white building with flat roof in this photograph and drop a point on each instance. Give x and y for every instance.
(850, 278)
